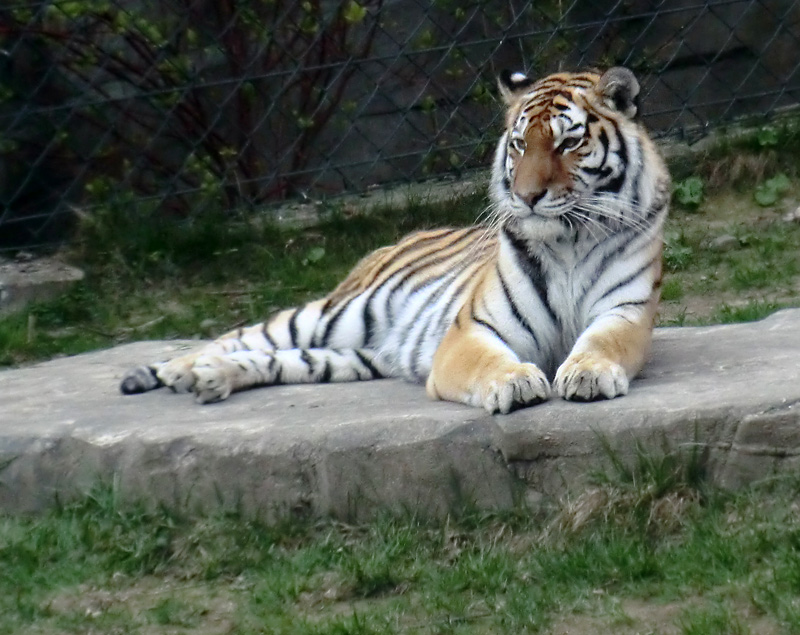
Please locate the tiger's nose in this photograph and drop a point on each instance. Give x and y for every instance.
(531, 198)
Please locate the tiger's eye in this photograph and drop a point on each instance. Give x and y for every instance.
(568, 144)
(519, 145)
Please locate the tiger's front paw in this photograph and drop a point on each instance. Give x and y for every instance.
(515, 386)
(214, 378)
(587, 377)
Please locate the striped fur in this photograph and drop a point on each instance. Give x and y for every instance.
(561, 286)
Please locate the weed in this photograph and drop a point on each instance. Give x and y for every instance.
(173, 612)
(678, 319)
(714, 620)
(742, 158)
(652, 492)
(767, 136)
(678, 251)
(771, 190)
(689, 192)
(672, 290)
(749, 312)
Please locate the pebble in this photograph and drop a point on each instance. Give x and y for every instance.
(793, 216)
(726, 242)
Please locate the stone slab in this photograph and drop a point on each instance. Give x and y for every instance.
(34, 280)
(351, 449)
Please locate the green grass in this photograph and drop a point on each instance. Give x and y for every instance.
(650, 547)
(152, 278)
(714, 620)
(739, 187)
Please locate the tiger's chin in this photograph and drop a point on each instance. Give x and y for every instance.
(538, 228)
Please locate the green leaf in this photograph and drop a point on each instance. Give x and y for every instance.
(428, 103)
(305, 122)
(767, 136)
(354, 12)
(689, 192)
(780, 183)
(771, 190)
(765, 196)
(315, 254)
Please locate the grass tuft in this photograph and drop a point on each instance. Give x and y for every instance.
(713, 620)
(653, 493)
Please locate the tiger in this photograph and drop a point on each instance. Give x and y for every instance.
(556, 295)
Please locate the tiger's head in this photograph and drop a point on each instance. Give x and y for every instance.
(573, 154)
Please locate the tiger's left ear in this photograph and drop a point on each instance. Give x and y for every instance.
(619, 89)
(512, 84)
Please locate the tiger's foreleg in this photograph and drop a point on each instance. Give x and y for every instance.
(607, 356)
(217, 376)
(473, 365)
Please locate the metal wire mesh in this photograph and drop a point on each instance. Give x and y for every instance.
(178, 107)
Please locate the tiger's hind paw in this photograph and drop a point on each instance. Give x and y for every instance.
(177, 374)
(586, 377)
(522, 385)
(213, 379)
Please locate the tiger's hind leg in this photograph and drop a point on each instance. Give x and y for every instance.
(175, 374)
(217, 376)
(288, 329)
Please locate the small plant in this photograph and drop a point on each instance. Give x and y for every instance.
(768, 137)
(772, 190)
(690, 192)
(313, 256)
(678, 252)
(750, 312)
(715, 620)
(172, 612)
(671, 290)
(649, 494)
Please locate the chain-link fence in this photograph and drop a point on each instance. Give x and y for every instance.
(176, 107)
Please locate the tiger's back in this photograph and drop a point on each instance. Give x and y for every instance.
(560, 287)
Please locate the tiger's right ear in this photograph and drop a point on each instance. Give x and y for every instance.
(620, 91)
(511, 84)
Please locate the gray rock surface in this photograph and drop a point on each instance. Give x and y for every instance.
(26, 280)
(352, 449)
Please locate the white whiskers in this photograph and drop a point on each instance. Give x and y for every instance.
(601, 209)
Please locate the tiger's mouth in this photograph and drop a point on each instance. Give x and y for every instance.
(547, 204)
(571, 213)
